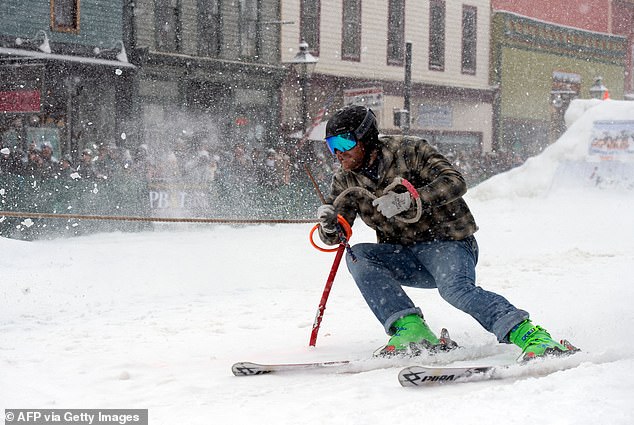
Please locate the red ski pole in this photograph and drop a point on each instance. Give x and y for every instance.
(325, 294)
(344, 230)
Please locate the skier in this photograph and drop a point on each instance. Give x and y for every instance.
(436, 251)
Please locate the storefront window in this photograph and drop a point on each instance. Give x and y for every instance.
(209, 28)
(396, 32)
(469, 39)
(168, 25)
(351, 30)
(437, 35)
(309, 24)
(65, 15)
(249, 28)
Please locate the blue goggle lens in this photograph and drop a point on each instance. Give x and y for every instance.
(341, 142)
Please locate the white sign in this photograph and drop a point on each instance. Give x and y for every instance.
(612, 140)
(435, 116)
(370, 97)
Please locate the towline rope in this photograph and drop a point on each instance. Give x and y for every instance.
(154, 219)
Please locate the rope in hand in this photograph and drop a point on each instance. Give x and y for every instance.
(153, 219)
(343, 228)
(397, 181)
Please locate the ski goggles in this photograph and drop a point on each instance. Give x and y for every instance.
(341, 142)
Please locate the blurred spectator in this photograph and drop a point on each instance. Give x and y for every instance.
(201, 171)
(65, 167)
(105, 164)
(34, 162)
(85, 167)
(142, 166)
(50, 164)
(120, 158)
(238, 175)
(257, 159)
(240, 158)
(239, 169)
(10, 161)
(268, 175)
(283, 166)
(167, 167)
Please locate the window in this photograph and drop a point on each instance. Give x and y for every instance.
(469, 39)
(249, 39)
(65, 15)
(168, 25)
(309, 24)
(351, 30)
(396, 32)
(209, 28)
(437, 35)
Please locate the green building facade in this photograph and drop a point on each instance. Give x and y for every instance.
(64, 76)
(539, 68)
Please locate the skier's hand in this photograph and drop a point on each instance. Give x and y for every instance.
(327, 218)
(392, 203)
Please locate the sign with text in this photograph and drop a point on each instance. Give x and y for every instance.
(370, 97)
(612, 140)
(435, 116)
(20, 101)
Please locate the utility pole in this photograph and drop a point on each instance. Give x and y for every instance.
(407, 89)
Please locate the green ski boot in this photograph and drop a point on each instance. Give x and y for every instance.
(413, 337)
(535, 341)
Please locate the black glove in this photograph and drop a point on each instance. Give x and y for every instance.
(327, 218)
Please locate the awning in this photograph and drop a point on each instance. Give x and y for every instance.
(64, 58)
(318, 133)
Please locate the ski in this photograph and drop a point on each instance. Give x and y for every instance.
(410, 376)
(252, 369)
(425, 376)
(420, 376)
(343, 366)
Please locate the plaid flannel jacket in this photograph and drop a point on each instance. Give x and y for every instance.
(446, 215)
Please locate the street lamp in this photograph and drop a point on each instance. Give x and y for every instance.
(598, 90)
(304, 64)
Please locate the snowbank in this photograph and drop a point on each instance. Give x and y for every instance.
(536, 176)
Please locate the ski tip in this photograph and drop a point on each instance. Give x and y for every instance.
(247, 369)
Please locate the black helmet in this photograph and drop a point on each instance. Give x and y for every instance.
(353, 119)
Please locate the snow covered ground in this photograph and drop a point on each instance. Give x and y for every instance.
(155, 320)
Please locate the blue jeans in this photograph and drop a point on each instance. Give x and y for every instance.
(381, 271)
